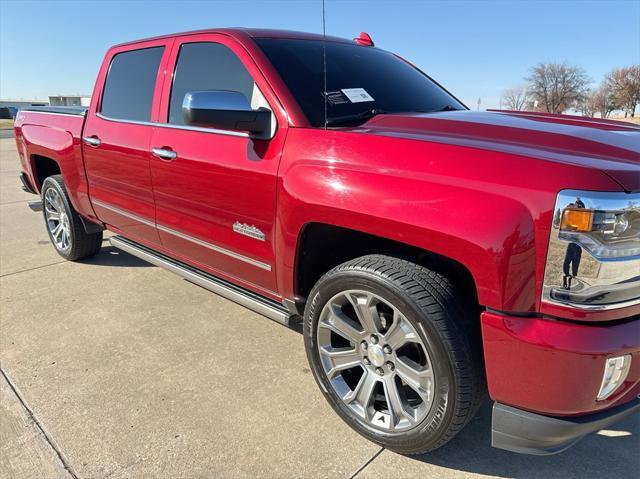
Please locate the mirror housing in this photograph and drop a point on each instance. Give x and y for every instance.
(226, 110)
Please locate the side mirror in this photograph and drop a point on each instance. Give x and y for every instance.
(227, 110)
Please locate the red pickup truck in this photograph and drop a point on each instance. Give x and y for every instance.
(429, 251)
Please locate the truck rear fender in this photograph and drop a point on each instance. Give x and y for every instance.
(58, 142)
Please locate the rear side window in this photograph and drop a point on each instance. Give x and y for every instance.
(206, 66)
(128, 89)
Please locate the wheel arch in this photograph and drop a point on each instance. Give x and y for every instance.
(322, 246)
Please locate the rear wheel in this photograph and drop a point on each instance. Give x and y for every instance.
(64, 225)
(384, 340)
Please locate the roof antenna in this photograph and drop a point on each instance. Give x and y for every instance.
(324, 63)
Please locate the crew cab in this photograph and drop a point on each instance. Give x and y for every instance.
(431, 253)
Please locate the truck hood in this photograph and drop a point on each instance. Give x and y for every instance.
(612, 147)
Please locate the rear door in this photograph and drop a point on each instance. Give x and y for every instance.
(117, 136)
(216, 200)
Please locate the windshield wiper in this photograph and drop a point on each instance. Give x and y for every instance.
(357, 117)
(447, 108)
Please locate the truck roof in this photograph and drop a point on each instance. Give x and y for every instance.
(246, 32)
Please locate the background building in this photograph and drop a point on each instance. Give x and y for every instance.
(70, 100)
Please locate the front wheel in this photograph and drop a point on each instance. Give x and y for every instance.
(384, 340)
(64, 225)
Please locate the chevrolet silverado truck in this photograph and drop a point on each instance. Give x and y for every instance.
(429, 253)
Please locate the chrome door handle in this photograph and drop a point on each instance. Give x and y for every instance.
(92, 141)
(164, 153)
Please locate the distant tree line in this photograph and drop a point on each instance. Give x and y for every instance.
(557, 87)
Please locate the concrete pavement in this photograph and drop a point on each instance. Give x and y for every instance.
(114, 368)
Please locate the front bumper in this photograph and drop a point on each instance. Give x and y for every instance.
(545, 375)
(529, 433)
(556, 367)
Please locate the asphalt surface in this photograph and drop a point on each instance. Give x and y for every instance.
(113, 368)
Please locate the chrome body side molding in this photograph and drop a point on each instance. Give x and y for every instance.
(217, 249)
(120, 211)
(213, 247)
(264, 306)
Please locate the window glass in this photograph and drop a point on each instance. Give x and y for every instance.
(206, 66)
(359, 79)
(128, 89)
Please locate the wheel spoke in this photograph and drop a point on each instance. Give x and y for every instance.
(339, 323)
(340, 359)
(399, 333)
(363, 393)
(417, 377)
(366, 311)
(57, 231)
(53, 215)
(394, 403)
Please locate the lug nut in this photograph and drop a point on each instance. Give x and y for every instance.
(380, 371)
(374, 339)
(363, 345)
(366, 361)
(387, 349)
(391, 366)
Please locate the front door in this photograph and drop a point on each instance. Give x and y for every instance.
(215, 191)
(117, 136)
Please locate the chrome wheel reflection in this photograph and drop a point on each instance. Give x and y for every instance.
(57, 219)
(375, 360)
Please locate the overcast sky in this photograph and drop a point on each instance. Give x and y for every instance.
(474, 48)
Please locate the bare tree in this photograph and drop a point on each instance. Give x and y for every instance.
(557, 86)
(599, 100)
(517, 99)
(587, 105)
(625, 88)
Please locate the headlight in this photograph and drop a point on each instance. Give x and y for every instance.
(593, 260)
(606, 234)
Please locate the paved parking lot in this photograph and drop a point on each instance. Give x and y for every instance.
(114, 368)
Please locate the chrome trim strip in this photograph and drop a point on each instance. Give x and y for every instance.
(234, 293)
(217, 249)
(122, 212)
(52, 113)
(177, 127)
(593, 307)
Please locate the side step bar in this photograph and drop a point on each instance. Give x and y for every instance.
(261, 305)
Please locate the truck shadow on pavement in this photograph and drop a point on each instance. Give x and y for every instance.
(610, 453)
(110, 256)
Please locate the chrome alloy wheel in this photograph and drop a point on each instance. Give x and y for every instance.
(375, 360)
(57, 219)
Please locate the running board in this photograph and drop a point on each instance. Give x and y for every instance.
(261, 305)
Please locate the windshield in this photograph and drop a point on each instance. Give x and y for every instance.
(361, 81)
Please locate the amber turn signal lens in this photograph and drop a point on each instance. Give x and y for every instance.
(576, 220)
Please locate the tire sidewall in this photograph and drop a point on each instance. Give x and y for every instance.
(435, 424)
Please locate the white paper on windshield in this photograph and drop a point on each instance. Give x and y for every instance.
(357, 95)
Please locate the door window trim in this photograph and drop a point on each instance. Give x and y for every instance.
(165, 103)
(177, 127)
(166, 49)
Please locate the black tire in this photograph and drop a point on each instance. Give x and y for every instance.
(81, 244)
(427, 300)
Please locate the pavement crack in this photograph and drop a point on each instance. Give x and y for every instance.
(39, 425)
(366, 463)
(32, 269)
(14, 202)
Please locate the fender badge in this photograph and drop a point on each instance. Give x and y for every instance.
(251, 231)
